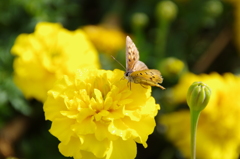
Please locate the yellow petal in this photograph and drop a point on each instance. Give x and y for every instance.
(102, 132)
(121, 129)
(59, 128)
(122, 150)
(69, 149)
(98, 148)
(86, 126)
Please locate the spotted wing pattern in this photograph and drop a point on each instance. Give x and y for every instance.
(148, 77)
(132, 55)
(139, 66)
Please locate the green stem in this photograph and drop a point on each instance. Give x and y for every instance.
(194, 122)
(161, 39)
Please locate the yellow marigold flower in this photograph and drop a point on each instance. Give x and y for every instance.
(95, 115)
(47, 54)
(106, 40)
(218, 128)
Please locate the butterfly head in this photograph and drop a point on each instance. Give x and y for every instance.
(127, 73)
(127, 76)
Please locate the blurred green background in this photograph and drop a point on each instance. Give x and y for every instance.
(201, 34)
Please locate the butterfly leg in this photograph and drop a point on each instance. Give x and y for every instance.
(122, 78)
(129, 84)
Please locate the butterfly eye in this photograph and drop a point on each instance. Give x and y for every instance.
(128, 73)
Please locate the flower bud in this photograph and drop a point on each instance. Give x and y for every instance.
(213, 8)
(171, 67)
(166, 10)
(139, 20)
(198, 96)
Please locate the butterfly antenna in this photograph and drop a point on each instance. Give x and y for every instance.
(118, 62)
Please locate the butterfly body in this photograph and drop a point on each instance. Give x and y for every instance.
(137, 71)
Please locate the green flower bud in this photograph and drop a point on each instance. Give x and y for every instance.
(213, 8)
(198, 96)
(139, 20)
(171, 67)
(166, 10)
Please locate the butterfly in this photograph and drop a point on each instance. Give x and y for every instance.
(137, 71)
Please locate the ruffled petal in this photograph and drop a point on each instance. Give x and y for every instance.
(122, 149)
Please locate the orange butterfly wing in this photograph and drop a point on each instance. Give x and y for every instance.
(147, 77)
(132, 54)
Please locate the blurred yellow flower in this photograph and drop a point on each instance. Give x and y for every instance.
(95, 115)
(106, 40)
(47, 54)
(218, 128)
